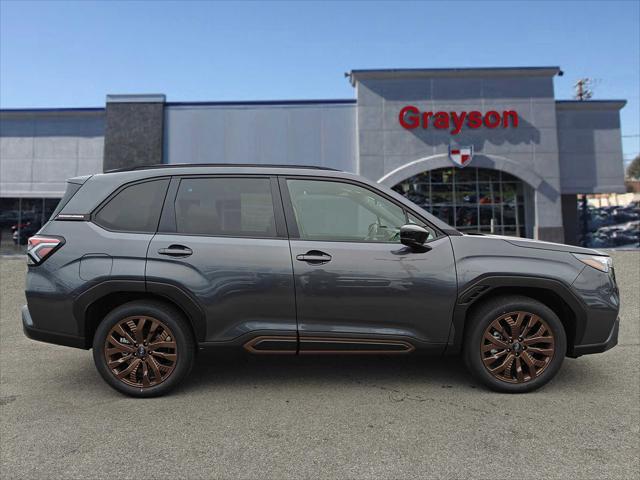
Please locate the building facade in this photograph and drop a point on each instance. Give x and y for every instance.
(485, 149)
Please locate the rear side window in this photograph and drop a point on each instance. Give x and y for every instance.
(135, 208)
(72, 189)
(237, 207)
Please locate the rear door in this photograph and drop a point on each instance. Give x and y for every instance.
(222, 240)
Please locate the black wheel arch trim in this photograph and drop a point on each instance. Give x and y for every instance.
(56, 338)
(186, 302)
(173, 293)
(483, 285)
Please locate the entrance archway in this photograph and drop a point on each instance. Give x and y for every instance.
(473, 199)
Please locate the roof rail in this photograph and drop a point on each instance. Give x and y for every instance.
(194, 165)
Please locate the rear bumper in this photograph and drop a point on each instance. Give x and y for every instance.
(49, 337)
(610, 342)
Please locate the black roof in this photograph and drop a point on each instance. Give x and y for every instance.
(194, 165)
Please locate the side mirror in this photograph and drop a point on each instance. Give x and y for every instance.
(413, 236)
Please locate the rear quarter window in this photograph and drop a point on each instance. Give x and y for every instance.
(72, 189)
(135, 208)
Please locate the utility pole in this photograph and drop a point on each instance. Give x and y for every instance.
(583, 89)
(584, 217)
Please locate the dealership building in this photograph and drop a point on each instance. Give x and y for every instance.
(485, 149)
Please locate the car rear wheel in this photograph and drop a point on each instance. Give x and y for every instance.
(143, 348)
(514, 344)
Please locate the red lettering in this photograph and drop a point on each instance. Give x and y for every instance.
(474, 119)
(458, 121)
(492, 123)
(442, 120)
(425, 119)
(509, 114)
(409, 117)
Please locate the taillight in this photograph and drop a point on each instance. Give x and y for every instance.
(40, 248)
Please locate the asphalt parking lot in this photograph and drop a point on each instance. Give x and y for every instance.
(317, 417)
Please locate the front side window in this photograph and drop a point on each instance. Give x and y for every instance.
(237, 207)
(335, 211)
(135, 208)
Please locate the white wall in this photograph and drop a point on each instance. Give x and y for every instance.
(307, 134)
(40, 150)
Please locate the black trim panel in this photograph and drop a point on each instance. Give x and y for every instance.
(485, 284)
(49, 337)
(172, 293)
(96, 292)
(290, 216)
(608, 344)
(167, 222)
(186, 302)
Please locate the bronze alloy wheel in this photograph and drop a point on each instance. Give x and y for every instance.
(517, 347)
(141, 351)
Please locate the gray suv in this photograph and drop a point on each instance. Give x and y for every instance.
(148, 266)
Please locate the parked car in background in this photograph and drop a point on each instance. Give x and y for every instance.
(22, 232)
(610, 226)
(150, 265)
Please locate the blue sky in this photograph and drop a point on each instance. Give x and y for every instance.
(67, 54)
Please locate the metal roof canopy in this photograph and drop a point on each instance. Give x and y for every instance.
(355, 75)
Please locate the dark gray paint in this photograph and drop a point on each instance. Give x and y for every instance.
(53, 287)
(242, 284)
(245, 287)
(377, 288)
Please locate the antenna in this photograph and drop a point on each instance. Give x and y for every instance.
(583, 89)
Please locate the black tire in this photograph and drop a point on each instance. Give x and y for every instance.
(482, 319)
(167, 316)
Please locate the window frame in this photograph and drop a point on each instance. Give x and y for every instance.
(168, 222)
(292, 224)
(96, 211)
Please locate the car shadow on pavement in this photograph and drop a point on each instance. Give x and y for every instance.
(239, 371)
(227, 371)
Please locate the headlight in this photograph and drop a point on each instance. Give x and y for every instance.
(599, 262)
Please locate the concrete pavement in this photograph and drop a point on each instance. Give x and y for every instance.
(317, 417)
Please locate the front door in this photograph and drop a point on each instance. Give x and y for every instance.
(357, 287)
(222, 240)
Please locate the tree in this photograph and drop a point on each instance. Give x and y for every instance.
(633, 170)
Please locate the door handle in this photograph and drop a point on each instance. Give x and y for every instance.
(176, 251)
(315, 257)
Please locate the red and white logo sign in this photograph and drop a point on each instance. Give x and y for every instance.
(461, 156)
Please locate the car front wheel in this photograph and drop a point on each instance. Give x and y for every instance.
(514, 344)
(143, 348)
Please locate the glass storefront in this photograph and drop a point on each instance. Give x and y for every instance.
(470, 199)
(20, 218)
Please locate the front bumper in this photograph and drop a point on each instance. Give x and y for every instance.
(610, 342)
(49, 337)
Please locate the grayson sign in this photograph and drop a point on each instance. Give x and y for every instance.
(411, 117)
